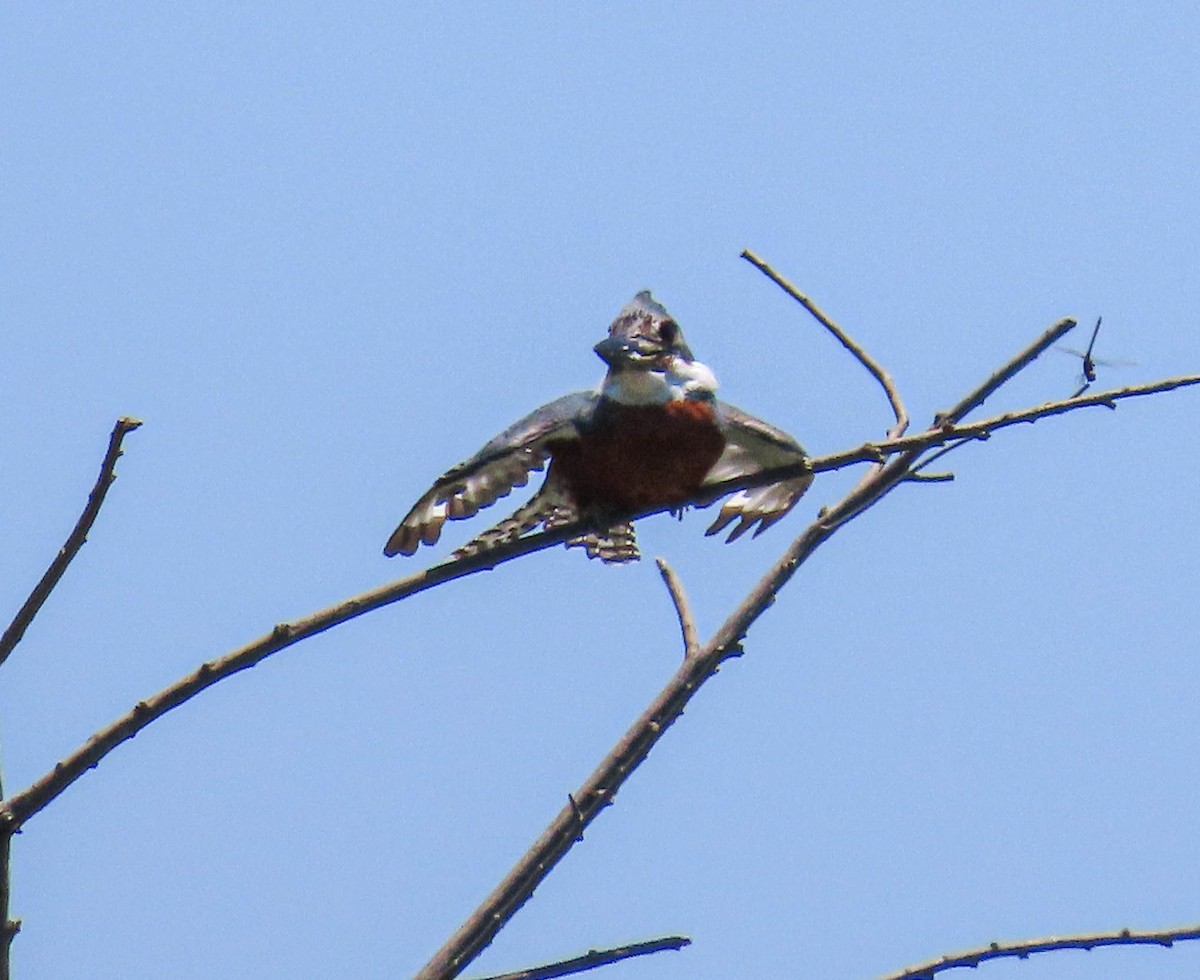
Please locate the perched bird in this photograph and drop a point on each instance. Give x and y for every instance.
(652, 435)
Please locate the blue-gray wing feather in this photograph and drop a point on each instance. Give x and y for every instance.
(752, 446)
(503, 463)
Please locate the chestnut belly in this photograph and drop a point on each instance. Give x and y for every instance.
(639, 457)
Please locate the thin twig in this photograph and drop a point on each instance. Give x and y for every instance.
(594, 958)
(1024, 948)
(920, 468)
(41, 591)
(1026, 357)
(876, 370)
(687, 622)
(917, 476)
(16, 810)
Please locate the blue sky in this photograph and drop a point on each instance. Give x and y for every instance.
(327, 251)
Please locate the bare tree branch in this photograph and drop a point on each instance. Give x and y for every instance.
(41, 591)
(595, 958)
(585, 804)
(687, 622)
(865, 359)
(17, 809)
(1023, 949)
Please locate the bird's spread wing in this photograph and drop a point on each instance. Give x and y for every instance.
(751, 446)
(505, 462)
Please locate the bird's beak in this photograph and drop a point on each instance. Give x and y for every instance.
(626, 352)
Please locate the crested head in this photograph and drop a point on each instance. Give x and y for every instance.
(649, 362)
(644, 323)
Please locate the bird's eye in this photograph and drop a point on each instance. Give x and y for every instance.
(669, 331)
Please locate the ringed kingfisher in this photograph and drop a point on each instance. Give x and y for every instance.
(652, 435)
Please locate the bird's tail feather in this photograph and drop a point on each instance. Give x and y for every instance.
(615, 545)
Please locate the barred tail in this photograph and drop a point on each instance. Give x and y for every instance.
(534, 512)
(615, 545)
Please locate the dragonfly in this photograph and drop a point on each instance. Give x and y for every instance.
(1088, 377)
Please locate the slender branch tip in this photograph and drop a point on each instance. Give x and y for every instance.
(75, 541)
(683, 610)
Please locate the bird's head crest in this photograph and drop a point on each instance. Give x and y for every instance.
(643, 336)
